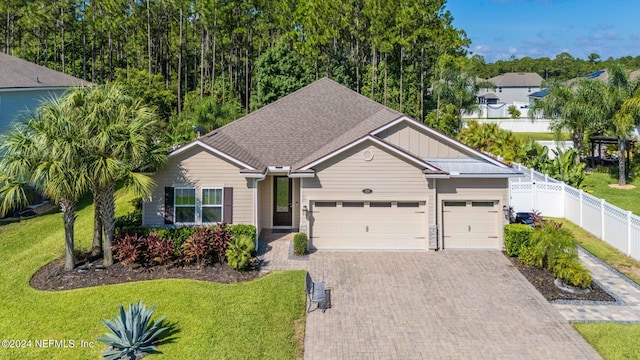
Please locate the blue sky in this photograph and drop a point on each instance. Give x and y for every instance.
(499, 29)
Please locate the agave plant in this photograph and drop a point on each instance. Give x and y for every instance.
(133, 334)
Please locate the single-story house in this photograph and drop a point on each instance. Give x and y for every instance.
(348, 171)
(23, 85)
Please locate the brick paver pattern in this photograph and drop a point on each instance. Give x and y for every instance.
(412, 305)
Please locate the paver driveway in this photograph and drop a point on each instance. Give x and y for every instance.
(447, 305)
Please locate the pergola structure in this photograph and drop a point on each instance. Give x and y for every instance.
(599, 159)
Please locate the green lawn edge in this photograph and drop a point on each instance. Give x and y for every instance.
(261, 319)
(613, 341)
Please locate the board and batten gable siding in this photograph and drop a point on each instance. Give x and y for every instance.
(473, 189)
(14, 104)
(344, 176)
(199, 168)
(420, 143)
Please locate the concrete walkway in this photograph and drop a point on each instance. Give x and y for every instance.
(626, 309)
(411, 305)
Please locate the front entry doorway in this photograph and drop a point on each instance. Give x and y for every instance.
(282, 214)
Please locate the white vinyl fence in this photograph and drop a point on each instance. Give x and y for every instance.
(535, 191)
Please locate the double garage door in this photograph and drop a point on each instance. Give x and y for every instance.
(470, 224)
(369, 225)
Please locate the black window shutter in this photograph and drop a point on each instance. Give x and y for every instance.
(227, 212)
(168, 205)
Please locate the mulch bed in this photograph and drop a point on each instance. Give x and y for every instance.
(542, 280)
(90, 272)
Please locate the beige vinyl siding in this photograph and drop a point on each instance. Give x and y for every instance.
(265, 202)
(473, 189)
(420, 143)
(345, 176)
(295, 199)
(199, 168)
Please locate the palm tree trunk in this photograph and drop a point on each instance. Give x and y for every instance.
(68, 208)
(96, 248)
(107, 212)
(622, 162)
(577, 144)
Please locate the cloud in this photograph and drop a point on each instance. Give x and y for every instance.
(538, 40)
(512, 50)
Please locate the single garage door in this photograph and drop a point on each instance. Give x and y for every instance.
(470, 224)
(368, 225)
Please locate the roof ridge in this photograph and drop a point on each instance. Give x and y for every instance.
(258, 111)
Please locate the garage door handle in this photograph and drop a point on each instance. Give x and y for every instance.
(469, 227)
(366, 228)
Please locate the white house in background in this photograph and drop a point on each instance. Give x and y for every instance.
(511, 89)
(23, 85)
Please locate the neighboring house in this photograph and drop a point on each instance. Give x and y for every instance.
(511, 89)
(602, 75)
(350, 172)
(23, 85)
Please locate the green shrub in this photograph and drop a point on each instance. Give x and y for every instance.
(177, 235)
(514, 236)
(525, 254)
(554, 248)
(132, 334)
(514, 112)
(548, 241)
(242, 229)
(568, 267)
(300, 244)
(239, 251)
(133, 218)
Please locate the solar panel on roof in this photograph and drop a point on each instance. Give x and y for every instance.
(593, 75)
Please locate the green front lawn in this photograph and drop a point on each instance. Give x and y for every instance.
(255, 320)
(611, 340)
(597, 184)
(543, 135)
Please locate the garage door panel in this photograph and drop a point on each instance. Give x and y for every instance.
(472, 226)
(371, 225)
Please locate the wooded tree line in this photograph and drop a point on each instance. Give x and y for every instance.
(209, 62)
(385, 49)
(562, 67)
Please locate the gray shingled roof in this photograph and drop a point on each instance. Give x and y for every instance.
(16, 73)
(517, 79)
(301, 127)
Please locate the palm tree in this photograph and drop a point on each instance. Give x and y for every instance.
(624, 104)
(120, 140)
(577, 108)
(623, 121)
(457, 87)
(45, 151)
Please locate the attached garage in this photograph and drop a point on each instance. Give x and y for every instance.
(368, 225)
(471, 224)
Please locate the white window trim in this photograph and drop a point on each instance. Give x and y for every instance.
(175, 205)
(221, 206)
